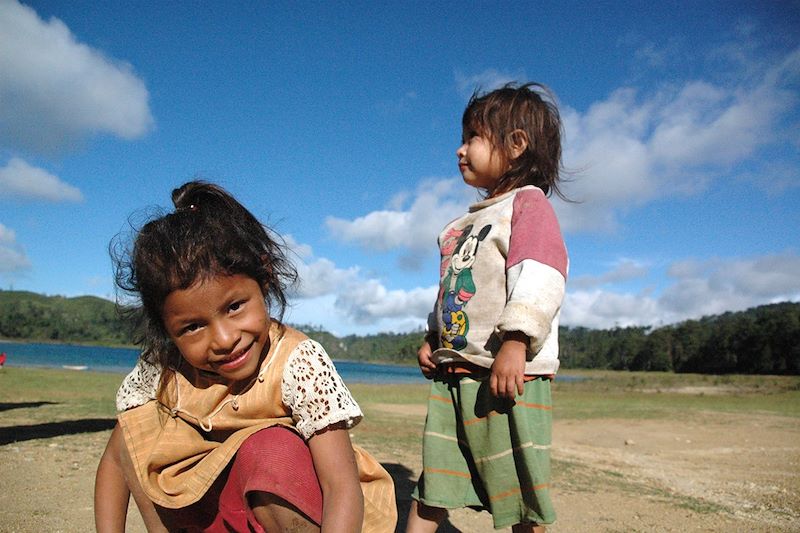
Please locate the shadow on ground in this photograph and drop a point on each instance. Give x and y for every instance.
(23, 405)
(404, 483)
(54, 429)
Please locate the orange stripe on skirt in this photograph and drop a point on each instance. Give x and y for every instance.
(514, 491)
(448, 472)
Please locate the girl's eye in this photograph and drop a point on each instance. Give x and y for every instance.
(189, 328)
(235, 306)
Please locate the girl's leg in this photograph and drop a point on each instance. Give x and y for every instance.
(527, 528)
(423, 518)
(273, 478)
(111, 494)
(276, 514)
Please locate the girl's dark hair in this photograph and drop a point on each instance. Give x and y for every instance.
(530, 108)
(208, 234)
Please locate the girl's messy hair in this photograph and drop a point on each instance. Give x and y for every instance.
(531, 109)
(208, 234)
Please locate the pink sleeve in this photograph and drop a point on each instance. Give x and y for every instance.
(535, 233)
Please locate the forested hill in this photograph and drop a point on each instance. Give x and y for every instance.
(84, 319)
(761, 340)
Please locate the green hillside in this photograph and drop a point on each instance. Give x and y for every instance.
(761, 340)
(83, 319)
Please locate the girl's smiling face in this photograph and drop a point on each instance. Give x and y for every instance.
(480, 164)
(220, 325)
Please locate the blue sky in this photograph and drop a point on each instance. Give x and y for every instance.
(337, 124)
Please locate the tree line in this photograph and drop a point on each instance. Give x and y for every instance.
(760, 340)
(85, 319)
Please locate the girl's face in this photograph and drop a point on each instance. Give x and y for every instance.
(481, 165)
(220, 325)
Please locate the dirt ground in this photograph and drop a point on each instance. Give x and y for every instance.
(707, 473)
(710, 473)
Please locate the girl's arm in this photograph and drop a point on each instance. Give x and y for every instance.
(335, 463)
(310, 382)
(536, 271)
(111, 492)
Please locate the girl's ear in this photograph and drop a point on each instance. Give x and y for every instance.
(517, 142)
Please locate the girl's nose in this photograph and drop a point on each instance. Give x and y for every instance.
(224, 337)
(462, 151)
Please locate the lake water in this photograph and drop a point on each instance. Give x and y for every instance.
(122, 360)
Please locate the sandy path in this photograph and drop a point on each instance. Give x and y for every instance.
(708, 473)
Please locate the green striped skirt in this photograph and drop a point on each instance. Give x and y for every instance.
(488, 453)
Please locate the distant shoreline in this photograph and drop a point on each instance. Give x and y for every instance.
(135, 347)
(68, 343)
(114, 360)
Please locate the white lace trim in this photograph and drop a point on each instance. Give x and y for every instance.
(139, 387)
(310, 387)
(315, 392)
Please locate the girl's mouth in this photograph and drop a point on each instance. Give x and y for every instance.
(234, 361)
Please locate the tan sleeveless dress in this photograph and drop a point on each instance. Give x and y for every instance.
(180, 449)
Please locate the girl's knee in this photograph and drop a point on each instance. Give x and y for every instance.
(275, 441)
(275, 454)
(275, 465)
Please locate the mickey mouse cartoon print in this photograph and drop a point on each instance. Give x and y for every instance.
(458, 287)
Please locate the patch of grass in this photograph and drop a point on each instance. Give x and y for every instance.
(600, 394)
(606, 394)
(604, 380)
(366, 393)
(43, 395)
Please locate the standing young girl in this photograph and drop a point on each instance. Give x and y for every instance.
(492, 342)
(231, 421)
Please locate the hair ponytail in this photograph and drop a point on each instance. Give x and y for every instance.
(210, 233)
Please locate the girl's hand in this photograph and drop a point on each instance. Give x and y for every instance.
(427, 366)
(335, 463)
(508, 370)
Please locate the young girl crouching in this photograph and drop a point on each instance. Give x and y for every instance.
(231, 421)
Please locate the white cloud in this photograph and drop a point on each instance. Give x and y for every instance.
(324, 312)
(603, 309)
(695, 289)
(18, 179)
(322, 277)
(12, 256)
(633, 148)
(717, 285)
(369, 301)
(346, 301)
(56, 90)
(433, 204)
(485, 81)
(630, 149)
(299, 249)
(624, 270)
(353, 299)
